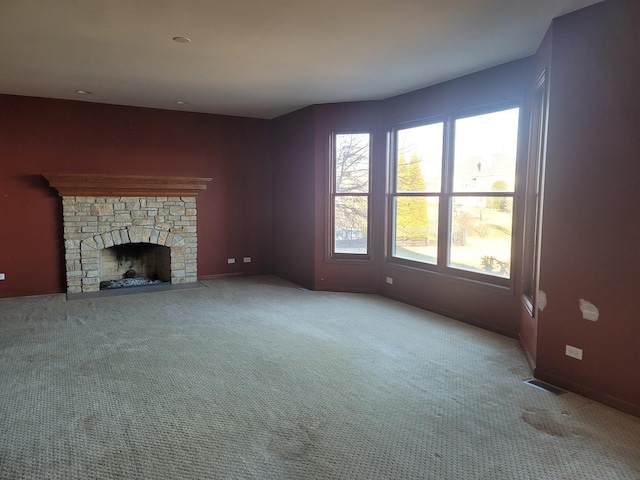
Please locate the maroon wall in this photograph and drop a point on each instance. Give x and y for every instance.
(493, 308)
(293, 184)
(53, 136)
(590, 233)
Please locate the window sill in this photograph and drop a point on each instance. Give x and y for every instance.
(504, 287)
(350, 260)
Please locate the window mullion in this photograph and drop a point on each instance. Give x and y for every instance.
(447, 184)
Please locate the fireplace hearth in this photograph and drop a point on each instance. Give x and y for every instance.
(128, 282)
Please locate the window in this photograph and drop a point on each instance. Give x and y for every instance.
(452, 195)
(350, 189)
(418, 184)
(534, 197)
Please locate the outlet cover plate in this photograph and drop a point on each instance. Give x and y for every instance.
(573, 352)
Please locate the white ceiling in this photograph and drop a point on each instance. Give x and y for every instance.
(258, 58)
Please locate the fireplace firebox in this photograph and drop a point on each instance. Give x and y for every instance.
(134, 264)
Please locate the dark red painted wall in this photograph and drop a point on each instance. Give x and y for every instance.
(506, 82)
(53, 136)
(590, 233)
(293, 184)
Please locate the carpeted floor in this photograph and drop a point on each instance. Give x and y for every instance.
(253, 378)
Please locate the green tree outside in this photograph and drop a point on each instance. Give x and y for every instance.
(499, 204)
(412, 220)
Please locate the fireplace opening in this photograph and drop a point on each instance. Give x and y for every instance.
(134, 264)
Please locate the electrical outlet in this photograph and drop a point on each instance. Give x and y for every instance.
(573, 352)
(390, 280)
(246, 259)
(1, 276)
(231, 260)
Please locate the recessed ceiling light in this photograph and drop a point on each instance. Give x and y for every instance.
(180, 102)
(181, 39)
(83, 92)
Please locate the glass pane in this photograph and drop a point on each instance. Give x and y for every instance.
(352, 163)
(350, 234)
(419, 159)
(480, 237)
(485, 152)
(416, 229)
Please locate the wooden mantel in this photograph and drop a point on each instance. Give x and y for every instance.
(73, 185)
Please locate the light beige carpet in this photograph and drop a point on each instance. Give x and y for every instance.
(253, 378)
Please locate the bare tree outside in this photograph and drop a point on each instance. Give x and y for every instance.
(351, 197)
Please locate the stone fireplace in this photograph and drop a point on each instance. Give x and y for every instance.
(113, 224)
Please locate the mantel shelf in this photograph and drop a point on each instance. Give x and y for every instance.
(73, 185)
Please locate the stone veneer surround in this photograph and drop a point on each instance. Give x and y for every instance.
(93, 223)
(101, 211)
